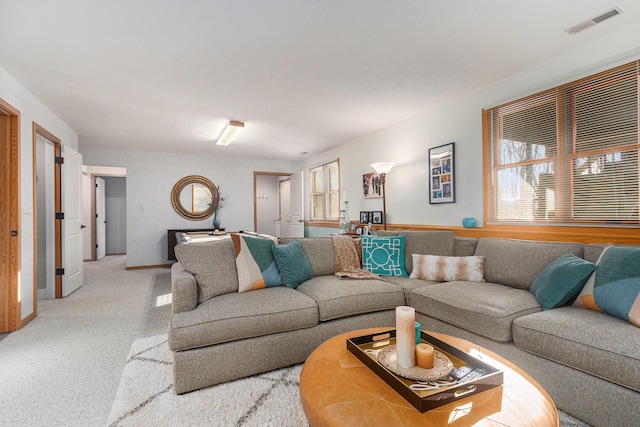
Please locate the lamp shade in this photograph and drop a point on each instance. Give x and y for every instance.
(230, 132)
(382, 167)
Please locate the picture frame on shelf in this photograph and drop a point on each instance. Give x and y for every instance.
(365, 217)
(371, 185)
(376, 217)
(359, 229)
(442, 174)
(353, 225)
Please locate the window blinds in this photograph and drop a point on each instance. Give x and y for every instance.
(567, 156)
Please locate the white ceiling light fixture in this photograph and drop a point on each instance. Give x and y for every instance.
(231, 131)
(615, 11)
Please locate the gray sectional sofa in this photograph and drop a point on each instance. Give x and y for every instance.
(589, 362)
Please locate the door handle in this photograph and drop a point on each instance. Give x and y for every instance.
(14, 233)
(83, 226)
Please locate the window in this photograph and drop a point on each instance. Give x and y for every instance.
(325, 192)
(568, 156)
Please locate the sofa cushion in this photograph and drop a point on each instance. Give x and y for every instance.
(292, 263)
(517, 263)
(617, 286)
(384, 255)
(465, 246)
(593, 342)
(482, 307)
(212, 264)
(424, 243)
(256, 266)
(237, 316)
(338, 298)
(592, 251)
(320, 252)
(407, 283)
(562, 281)
(448, 268)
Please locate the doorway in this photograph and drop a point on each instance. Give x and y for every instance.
(277, 204)
(104, 211)
(44, 206)
(10, 294)
(46, 230)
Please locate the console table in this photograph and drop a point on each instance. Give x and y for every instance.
(172, 241)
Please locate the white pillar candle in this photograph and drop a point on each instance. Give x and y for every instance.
(406, 336)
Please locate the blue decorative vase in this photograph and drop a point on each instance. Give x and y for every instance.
(216, 220)
(469, 222)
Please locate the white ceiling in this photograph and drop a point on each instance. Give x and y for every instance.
(305, 75)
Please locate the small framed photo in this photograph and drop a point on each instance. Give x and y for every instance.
(353, 225)
(376, 217)
(359, 229)
(442, 174)
(365, 217)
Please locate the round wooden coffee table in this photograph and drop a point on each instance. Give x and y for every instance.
(337, 389)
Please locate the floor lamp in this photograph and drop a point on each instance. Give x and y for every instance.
(383, 169)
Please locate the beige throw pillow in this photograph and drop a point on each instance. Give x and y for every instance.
(448, 268)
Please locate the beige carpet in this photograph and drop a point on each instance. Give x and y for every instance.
(64, 367)
(146, 396)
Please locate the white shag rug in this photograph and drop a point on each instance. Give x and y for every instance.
(146, 396)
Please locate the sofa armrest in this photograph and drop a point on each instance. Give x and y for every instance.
(184, 289)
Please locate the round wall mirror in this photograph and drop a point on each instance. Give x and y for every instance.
(191, 197)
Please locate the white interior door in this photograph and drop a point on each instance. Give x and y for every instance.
(285, 207)
(72, 255)
(101, 220)
(296, 220)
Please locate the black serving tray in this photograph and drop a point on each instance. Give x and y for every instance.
(425, 400)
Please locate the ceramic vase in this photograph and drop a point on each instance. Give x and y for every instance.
(216, 220)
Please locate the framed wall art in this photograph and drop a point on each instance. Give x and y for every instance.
(442, 174)
(371, 185)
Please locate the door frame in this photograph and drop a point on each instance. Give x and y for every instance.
(10, 306)
(57, 200)
(93, 176)
(255, 192)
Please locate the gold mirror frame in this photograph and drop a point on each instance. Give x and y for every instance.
(177, 190)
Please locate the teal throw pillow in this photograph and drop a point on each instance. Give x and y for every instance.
(616, 290)
(384, 255)
(562, 281)
(293, 263)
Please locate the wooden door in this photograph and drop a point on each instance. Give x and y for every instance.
(10, 308)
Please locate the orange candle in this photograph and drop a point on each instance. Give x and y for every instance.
(424, 356)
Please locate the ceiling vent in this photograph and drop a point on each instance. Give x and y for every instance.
(595, 20)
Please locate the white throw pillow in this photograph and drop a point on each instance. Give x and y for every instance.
(448, 268)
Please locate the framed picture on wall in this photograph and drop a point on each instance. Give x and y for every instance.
(442, 174)
(371, 185)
